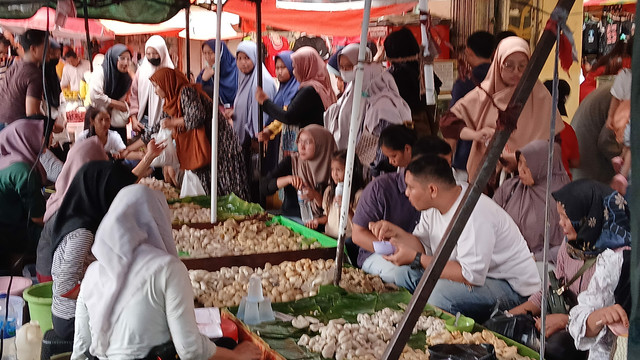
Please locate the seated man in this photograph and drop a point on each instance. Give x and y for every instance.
(384, 199)
(491, 263)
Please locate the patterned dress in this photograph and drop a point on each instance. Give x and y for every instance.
(197, 111)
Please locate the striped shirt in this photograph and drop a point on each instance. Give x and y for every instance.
(68, 270)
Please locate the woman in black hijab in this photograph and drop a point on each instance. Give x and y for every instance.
(403, 52)
(86, 202)
(110, 85)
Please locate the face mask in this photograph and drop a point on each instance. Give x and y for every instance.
(154, 61)
(348, 76)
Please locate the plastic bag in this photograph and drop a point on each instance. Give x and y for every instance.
(168, 156)
(191, 185)
(520, 328)
(462, 352)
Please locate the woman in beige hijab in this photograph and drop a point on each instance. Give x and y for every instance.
(479, 108)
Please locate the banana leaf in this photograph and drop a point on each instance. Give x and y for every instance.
(229, 206)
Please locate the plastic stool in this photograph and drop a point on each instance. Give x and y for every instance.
(52, 345)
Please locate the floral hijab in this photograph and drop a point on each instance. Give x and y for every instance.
(599, 215)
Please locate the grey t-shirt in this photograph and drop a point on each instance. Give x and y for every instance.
(22, 79)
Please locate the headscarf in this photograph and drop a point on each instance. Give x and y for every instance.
(146, 95)
(400, 46)
(312, 71)
(132, 243)
(316, 171)
(383, 101)
(287, 90)
(116, 83)
(351, 52)
(525, 204)
(599, 214)
(81, 153)
(21, 141)
(228, 74)
(378, 87)
(478, 111)
(332, 65)
(245, 111)
(88, 198)
(171, 82)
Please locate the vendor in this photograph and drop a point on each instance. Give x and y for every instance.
(491, 255)
(137, 293)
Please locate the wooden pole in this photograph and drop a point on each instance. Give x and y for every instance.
(489, 161)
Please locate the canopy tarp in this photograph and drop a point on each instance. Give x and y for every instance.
(73, 28)
(135, 11)
(336, 23)
(203, 25)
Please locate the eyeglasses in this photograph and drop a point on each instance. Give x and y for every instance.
(511, 67)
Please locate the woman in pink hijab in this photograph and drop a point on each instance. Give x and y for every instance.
(314, 95)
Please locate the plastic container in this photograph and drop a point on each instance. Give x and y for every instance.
(9, 349)
(17, 286)
(29, 341)
(338, 194)
(305, 209)
(16, 305)
(465, 324)
(255, 308)
(39, 299)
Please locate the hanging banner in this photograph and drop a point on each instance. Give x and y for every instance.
(333, 5)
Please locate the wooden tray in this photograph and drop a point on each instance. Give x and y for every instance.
(257, 260)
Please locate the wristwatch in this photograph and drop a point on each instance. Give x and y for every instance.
(416, 264)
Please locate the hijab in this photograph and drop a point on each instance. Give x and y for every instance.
(172, 82)
(316, 171)
(21, 141)
(312, 71)
(332, 65)
(351, 52)
(402, 51)
(245, 112)
(287, 90)
(599, 214)
(132, 243)
(525, 204)
(477, 110)
(81, 153)
(116, 83)
(228, 74)
(88, 197)
(147, 97)
(377, 86)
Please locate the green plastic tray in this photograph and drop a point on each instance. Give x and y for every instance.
(323, 239)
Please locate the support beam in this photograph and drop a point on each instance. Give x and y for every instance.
(460, 218)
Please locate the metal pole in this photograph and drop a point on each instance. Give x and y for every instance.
(506, 125)
(547, 205)
(86, 29)
(430, 89)
(216, 117)
(353, 133)
(187, 14)
(634, 324)
(259, 69)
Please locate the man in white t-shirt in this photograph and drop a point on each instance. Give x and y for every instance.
(491, 263)
(73, 71)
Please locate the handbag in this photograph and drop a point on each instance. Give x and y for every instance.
(367, 147)
(193, 148)
(560, 299)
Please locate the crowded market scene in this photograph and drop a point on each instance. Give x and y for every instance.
(303, 179)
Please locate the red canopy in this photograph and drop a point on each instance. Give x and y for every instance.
(73, 28)
(337, 23)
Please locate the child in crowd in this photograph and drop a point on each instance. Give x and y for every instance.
(332, 198)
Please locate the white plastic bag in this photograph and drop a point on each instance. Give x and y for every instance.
(191, 185)
(168, 156)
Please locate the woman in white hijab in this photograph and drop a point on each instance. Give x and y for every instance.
(137, 293)
(143, 101)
